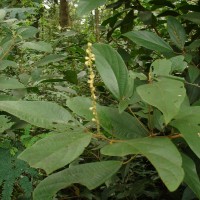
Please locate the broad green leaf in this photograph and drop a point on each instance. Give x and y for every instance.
(27, 32)
(39, 113)
(11, 83)
(38, 46)
(161, 152)
(49, 59)
(90, 175)
(122, 126)
(56, 150)
(112, 69)
(147, 17)
(2, 14)
(160, 67)
(5, 48)
(193, 17)
(176, 32)
(178, 63)
(191, 176)
(7, 63)
(85, 6)
(188, 123)
(149, 40)
(5, 123)
(167, 95)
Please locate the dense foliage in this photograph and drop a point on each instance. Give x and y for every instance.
(105, 105)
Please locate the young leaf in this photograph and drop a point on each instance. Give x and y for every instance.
(191, 176)
(56, 150)
(188, 123)
(112, 69)
(149, 40)
(167, 95)
(161, 152)
(39, 113)
(176, 32)
(90, 175)
(85, 6)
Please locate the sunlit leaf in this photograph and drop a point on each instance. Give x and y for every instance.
(85, 6)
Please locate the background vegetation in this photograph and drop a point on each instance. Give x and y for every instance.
(99, 99)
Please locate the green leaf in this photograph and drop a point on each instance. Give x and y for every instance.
(188, 123)
(193, 17)
(39, 113)
(167, 95)
(2, 14)
(178, 63)
(149, 40)
(176, 32)
(122, 126)
(38, 46)
(5, 123)
(90, 175)
(161, 152)
(7, 63)
(56, 150)
(191, 176)
(11, 83)
(85, 6)
(160, 67)
(49, 59)
(71, 76)
(112, 69)
(27, 32)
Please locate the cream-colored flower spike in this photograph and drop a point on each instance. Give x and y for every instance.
(89, 63)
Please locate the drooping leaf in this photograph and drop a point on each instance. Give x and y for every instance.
(191, 176)
(56, 150)
(149, 40)
(85, 6)
(120, 125)
(176, 32)
(10, 83)
(161, 152)
(112, 69)
(193, 17)
(27, 32)
(90, 175)
(188, 123)
(39, 113)
(7, 63)
(167, 95)
(38, 46)
(49, 59)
